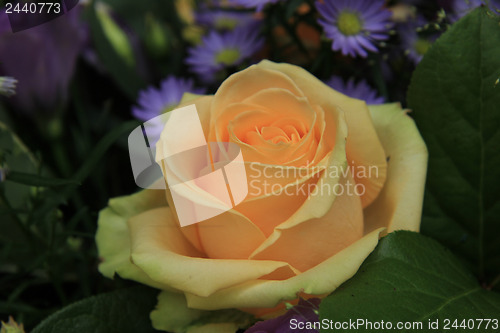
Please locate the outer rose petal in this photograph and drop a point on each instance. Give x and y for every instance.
(173, 315)
(399, 205)
(202, 103)
(113, 234)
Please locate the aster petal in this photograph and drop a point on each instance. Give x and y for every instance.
(366, 43)
(153, 102)
(202, 58)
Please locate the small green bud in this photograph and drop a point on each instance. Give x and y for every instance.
(74, 243)
(115, 34)
(11, 327)
(157, 38)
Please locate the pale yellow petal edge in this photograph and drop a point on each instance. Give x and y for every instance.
(399, 205)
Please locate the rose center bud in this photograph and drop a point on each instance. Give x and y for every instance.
(349, 23)
(275, 134)
(279, 131)
(228, 56)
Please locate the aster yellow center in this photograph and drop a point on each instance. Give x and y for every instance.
(227, 56)
(226, 23)
(421, 46)
(349, 23)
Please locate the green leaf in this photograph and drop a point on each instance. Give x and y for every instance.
(15, 156)
(456, 107)
(411, 278)
(14, 197)
(120, 311)
(36, 180)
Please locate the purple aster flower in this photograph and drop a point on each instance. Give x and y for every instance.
(223, 20)
(42, 58)
(460, 8)
(360, 90)
(305, 312)
(221, 50)
(415, 44)
(258, 4)
(354, 25)
(154, 102)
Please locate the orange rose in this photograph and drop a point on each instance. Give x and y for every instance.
(326, 176)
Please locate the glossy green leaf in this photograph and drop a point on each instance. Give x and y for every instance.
(121, 311)
(411, 278)
(456, 107)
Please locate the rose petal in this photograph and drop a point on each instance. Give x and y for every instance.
(163, 146)
(246, 83)
(317, 205)
(203, 104)
(399, 205)
(273, 204)
(305, 245)
(229, 235)
(173, 315)
(113, 238)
